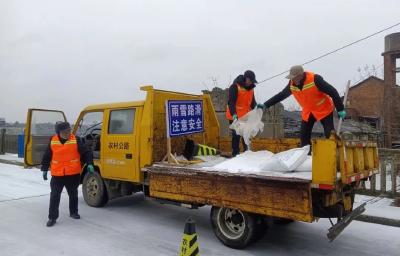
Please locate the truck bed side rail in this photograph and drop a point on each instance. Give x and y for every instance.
(340, 160)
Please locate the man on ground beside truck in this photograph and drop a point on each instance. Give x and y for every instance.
(64, 156)
(316, 97)
(241, 100)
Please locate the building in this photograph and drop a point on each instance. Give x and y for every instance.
(2, 122)
(391, 95)
(365, 102)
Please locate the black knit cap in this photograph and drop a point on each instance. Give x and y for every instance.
(250, 75)
(62, 126)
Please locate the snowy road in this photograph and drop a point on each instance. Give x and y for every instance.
(138, 226)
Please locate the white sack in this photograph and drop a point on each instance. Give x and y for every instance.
(293, 158)
(247, 162)
(272, 164)
(249, 125)
(306, 166)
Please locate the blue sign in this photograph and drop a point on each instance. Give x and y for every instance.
(184, 117)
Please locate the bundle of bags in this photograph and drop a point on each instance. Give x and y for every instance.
(249, 126)
(292, 160)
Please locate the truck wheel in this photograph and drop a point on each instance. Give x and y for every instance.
(93, 189)
(234, 228)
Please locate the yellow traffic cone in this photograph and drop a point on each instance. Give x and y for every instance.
(189, 246)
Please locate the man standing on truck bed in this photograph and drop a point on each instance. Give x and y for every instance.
(240, 101)
(315, 97)
(64, 156)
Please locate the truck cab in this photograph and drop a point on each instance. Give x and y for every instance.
(124, 137)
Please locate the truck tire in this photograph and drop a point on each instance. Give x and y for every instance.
(234, 228)
(93, 190)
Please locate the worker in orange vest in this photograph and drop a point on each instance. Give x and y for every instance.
(64, 156)
(240, 101)
(316, 97)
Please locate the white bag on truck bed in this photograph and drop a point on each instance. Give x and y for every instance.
(306, 166)
(292, 158)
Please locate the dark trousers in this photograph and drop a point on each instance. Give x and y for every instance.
(236, 142)
(306, 128)
(57, 183)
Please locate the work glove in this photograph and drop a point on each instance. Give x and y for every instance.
(90, 168)
(235, 117)
(44, 173)
(342, 114)
(261, 106)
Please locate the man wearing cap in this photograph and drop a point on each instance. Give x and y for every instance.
(240, 101)
(316, 97)
(63, 156)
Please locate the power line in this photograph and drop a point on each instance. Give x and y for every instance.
(331, 52)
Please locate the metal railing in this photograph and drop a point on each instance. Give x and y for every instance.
(387, 182)
(8, 143)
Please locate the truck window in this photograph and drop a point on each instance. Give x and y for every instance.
(89, 129)
(90, 123)
(121, 121)
(44, 122)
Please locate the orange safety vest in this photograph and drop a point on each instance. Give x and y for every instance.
(65, 157)
(243, 102)
(311, 99)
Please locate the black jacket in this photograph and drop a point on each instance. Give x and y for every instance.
(84, 151)
(321, 84)
(233, 94)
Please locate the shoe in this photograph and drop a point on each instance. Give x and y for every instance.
(51, 222)
(75, 216)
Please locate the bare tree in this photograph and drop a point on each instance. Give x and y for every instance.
(368, 71)
(214, 81)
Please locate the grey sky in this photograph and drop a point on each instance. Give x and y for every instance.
(70, 54)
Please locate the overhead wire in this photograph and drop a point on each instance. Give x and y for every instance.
(334, 51)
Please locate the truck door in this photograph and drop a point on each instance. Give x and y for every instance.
(39, 128)
(118, 155)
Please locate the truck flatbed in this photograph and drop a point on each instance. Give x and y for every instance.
(285, 197)
(196, 169)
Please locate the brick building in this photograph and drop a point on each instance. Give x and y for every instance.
(365, 102)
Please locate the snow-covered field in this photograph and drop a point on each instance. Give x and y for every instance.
(11, 158)
(138, 226)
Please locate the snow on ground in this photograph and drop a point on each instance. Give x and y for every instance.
(17, 182)
(11, 157)
(375, 201)
(378, 206)
(138, 226)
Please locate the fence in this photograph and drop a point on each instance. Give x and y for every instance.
(8, 143)
(387, 182)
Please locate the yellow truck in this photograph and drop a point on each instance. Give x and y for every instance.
(129, 142)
